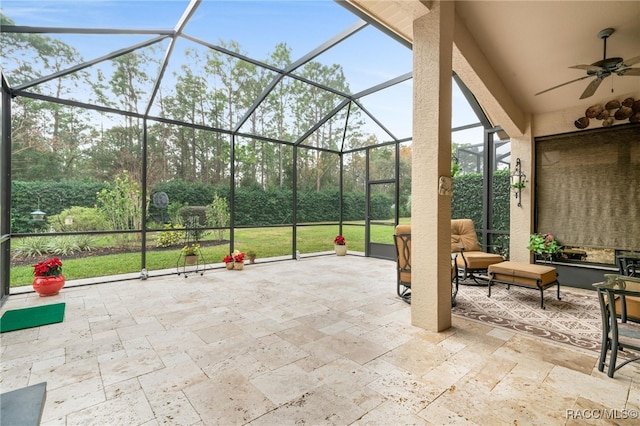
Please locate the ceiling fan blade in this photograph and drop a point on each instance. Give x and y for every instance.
(587, 67)
(631, 61)
(629, 71)
(591, 88)
(563, 84)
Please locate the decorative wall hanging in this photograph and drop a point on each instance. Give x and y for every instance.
(612, 111)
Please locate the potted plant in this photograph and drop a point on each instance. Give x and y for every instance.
(340, 245)
(48, 277)
(519, 184)
(544, 245)
(191, 253)
(238, 260)
(251, 254)
(228, 261)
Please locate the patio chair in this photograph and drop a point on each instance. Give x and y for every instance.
(402, 239)
(472, 260)
(629, 306)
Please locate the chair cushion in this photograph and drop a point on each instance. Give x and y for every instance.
(633, 307)
(463, 233)
(478, 259)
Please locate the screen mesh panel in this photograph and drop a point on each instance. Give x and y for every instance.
(588, 187)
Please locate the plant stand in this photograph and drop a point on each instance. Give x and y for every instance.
(191, 264)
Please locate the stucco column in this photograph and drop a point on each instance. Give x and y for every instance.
(521, 218)
(431, 152)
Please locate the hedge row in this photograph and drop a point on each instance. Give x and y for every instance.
(255, 206)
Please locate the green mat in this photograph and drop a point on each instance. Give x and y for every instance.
(17, 319)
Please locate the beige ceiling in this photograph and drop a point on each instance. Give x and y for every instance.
(532, 44)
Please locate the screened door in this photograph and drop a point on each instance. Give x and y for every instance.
(381, 217)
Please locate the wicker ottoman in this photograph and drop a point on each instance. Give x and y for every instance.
(524, 275)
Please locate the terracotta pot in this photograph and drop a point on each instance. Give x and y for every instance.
(238, 266)
(252, 259)
(229, 265)
(341, 250)
(191, 259)
(48, 286)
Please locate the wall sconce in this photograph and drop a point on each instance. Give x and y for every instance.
(38, 215)
(518, 182)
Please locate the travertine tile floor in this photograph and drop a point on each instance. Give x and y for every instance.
(318, 341)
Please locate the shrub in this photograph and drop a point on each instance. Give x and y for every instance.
(31, 246)
(63, 246)
(170, 238)
(82, 219)
(121, 203)
(85, 242)
(218, 215)
(195, 218)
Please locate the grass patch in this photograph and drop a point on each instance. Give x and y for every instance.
(267, 242)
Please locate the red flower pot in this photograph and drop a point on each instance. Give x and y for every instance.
(48, 286)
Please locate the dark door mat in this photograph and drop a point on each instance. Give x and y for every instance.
(23, 407)
(17, 319)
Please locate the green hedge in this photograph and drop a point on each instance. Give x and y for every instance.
(257, 207)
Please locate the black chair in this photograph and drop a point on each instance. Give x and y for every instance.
(628, 266)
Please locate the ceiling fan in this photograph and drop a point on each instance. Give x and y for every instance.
(602, 69)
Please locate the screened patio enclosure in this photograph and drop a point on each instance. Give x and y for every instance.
(137, 127)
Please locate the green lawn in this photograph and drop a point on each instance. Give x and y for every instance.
(267, 242)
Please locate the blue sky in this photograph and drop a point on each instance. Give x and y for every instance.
(368, 58)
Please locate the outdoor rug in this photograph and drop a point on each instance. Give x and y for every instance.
(17, 319)
(574, 320)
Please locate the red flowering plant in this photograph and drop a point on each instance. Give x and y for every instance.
(339, 240)
(238, 256)
(228, 259)
(48, 268)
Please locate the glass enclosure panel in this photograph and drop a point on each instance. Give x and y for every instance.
(382, 214)
(382, 163)
(94, 14)
(259, 26)
(261, 241)
(468, 149)
(354, 172)
(502, 194)
(404, 182)
(362, 130)
(462, 113)
(316, 238)
(393, 106)
(358, 57)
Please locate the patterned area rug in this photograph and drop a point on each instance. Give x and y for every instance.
(574, 320)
